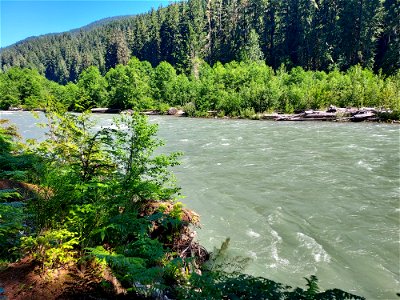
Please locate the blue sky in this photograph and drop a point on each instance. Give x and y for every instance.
(20, 19)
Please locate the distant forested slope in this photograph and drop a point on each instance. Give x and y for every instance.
(313, 34)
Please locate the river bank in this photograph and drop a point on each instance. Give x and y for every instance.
(332, 114)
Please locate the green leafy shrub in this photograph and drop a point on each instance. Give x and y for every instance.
(177, 211)
(149, 249)
(143, 174)
(85, 220)
(163, 107)
(215, 285)
(12, 228)
(133, 272)
(248, 113)
(7, 195)
(15, 161)
(53, 248)
(190, 109)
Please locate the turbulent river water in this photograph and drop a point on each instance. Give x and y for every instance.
(297, 198)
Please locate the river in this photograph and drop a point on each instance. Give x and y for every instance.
(298, 198)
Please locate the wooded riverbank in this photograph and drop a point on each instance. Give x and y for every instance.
(234, 90)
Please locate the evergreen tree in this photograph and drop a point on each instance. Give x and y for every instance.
(117, 50)
(252, 50)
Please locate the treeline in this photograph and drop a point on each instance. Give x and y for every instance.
(233, 89)
(313, 34)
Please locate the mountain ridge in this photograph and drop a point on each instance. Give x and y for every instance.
(88, 27)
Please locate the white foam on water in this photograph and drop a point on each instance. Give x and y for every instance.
(318, 252)
(275, 216)
(206, 145)
(184, 140)
(278, 261)
(276, 236)
(364, 207)
(225, 144)
(252, 254)
(252, 233)
(111, 126)
(364, 165)
(5, 112)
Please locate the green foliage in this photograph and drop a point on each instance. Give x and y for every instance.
(149, 249)
(124, 227)
(12, 228)
(176, 211)
(233, 89)
(143, 175)
(222, 278)
(25, 88)
(15, 162)
(85, 220)
(92, 90)
(7, 137)
(252, 50)
(74, 144)
(9, 194)
(212, 285)
(90, 201)
(51, 249)
(164, 76)
(313, 292)
(129, 86)
(190, 109)
(131, 271)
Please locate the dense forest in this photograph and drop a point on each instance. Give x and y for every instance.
(313, 34)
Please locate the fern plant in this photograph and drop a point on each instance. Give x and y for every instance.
(51, 249)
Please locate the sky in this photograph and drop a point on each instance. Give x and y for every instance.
(20, 19)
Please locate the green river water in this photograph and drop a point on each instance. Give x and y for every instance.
(298, 198)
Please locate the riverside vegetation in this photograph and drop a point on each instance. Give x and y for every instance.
(94, 212)
(233, 89)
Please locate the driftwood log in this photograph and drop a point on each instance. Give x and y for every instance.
(331, 114)
(105, 110)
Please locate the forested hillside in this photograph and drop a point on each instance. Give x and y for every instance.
(313, 34)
